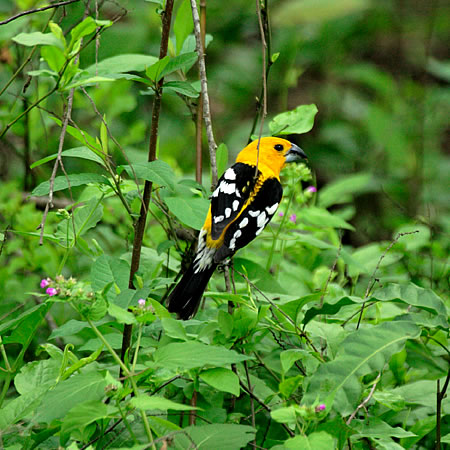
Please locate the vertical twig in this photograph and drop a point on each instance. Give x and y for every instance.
(204, 84)
(252, 403)
(199, 119)
(264, 80)
(439, 397)
(139, 228)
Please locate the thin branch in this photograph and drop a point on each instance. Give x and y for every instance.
(338, 254)
(58, 162)
(252, 404)
(139, 228)
(204, 85)
(366, 400)
(32, 11)
(440, 394)
(372, 278)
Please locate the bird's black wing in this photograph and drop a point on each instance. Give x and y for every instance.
(233, 190)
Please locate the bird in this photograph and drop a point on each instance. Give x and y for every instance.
(245, 199)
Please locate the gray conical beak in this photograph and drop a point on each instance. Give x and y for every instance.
(295, 153)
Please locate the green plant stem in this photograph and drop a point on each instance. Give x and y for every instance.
(274, 242)
(128, 374)
(127, 424)
(136, 352)
(5, 356)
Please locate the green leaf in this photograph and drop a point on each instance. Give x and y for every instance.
(315, 441)
(342, 190)
(221, 158)
(181, 62)
(107, 269)
(38, 38)
(217, 436)
(376, 428)
(75, 390)
(188, 355)
(289, 357)
(69, 328)
(181, 87)
(83, 414)
(224, 380)
(299, 120)
(87, 26)
(54, 57)
(121, 314)
(322, 218)
(76, 152)
(154, 71)
(183, 24)
(38, 311)
(364, 351)
(191, 211)
(37, 374)
(174, 328)
(75, 179)
(150, 403)
(157, 172)
(128, 62)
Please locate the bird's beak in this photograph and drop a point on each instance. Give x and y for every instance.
(295, 153)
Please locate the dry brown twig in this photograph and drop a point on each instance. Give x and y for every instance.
(204, 85)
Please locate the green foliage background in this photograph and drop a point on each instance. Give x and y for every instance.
(339, 337)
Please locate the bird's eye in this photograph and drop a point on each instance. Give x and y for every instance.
(278, 147)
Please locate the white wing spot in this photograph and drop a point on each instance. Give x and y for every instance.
(271, 209)
(215, 193)
(254, 213)
(227, 212)
(218, 219)
(230, 174)
(237, 234)
(244, 223)
(227, 188)
(261, 220)
(259, 231)
(235, 205)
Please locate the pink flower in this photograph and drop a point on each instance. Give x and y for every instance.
(44, 283)
(320, 407)
(293, 218)
(141, 302)
(51, 291)
(311, 189)
(281, 213)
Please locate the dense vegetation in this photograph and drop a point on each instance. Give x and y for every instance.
(328, 331)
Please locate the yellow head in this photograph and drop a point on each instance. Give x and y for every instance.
(274, 153)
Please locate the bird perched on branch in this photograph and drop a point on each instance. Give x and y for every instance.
(245, 199)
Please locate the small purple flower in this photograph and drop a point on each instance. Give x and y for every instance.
(320, 407)
(44, 283)
(281, 213)
(311, 189)
(51, 291)
(141, 302)
(293, 218)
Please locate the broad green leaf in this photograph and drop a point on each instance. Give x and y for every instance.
(82, 136)
(37, 374)
(21, 406)
(182, 87)
(364, 351)
(285, 414)
(183, 24)
(75, 390)
(224, 380)
(38, 38)
(107, 269)
(181, 62)
(83, 219)
(322, 218)
(83, 414)
(69, 328)
(319, 440)
(54, 57)
(113, 339)
(174, 328)
(191, 211)
(87, 26)
(331, 306)
(289, 357)
(342, 190)
(293, 12)
(221, 158)
(376, 428)
(121, 314)
(149, 403)
(154, 71)
(216, 436)
(129, 62)
(188, 355)
(157, 172)
(299, 120)
(38, 310)
(89, 81)
(75, 179)
(76, 152)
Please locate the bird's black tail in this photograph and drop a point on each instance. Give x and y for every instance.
(187, 295)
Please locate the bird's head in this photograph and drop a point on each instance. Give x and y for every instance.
(274, 153)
